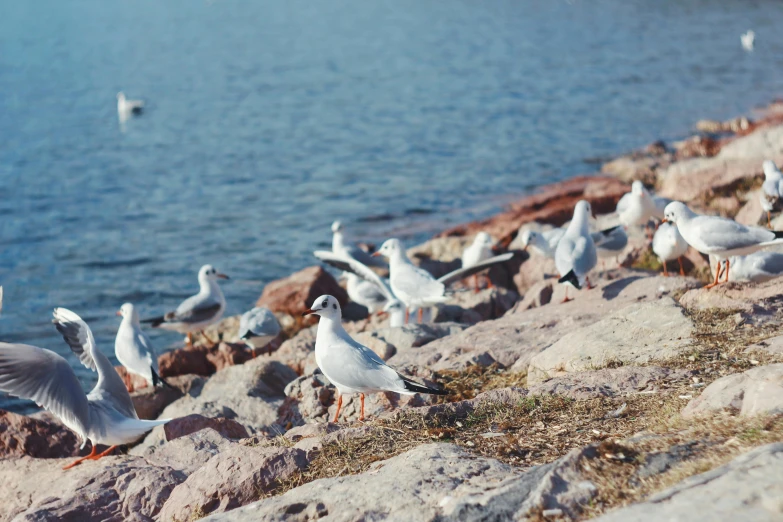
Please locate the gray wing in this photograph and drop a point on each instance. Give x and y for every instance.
(194, 310)
(769, 262)
(365, 258)
(79, 337)
(417, 282)
(584, 255)
(613, 238)
(137, 353)
(259, 322)
(347, 264)
(46, 378)
(462, 273)
(359, 367)
(660, 205)
(727, 234)
(624, 202)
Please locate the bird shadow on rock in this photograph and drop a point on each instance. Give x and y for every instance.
(612, 290)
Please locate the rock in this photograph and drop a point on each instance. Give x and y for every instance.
(113, 488)
(202, 359)
(436, 482)
(298, 352)
(608, 382)
(537, 295)
(773, 346)
(751, 212)
(750, 487)
(552, 204)
(533, 271)
(751, 298)
(755, 391)
(383, 349)
(695, 147)
(232, 478)
(443, 249)
(515, 338)
(307, 399)
(636, 334)
(659, 462)
(21, 435)
(188, 453)
(472, 307)
(415, 335)
(150, 402)
(295, 293)
(632, 168)
(137, 381)
(188, 424)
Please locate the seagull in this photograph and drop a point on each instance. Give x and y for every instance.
(638, 206)
(771, 189)
(1, 298)
(396, 311)
(133, 348)
(351, 250)
(576, 254)
(351, 366)
(720, 237)
(478, 251)
(415, 286)
(104, 416)
(126, 107)
(747, 40)
(610, 242)
(365, 287)
(258, 327)
(199, 311)
(669, 245)
(542, 243)
(757, 267)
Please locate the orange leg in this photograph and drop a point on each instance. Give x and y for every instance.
(769, 221)
(475, 283)
(682, 268)
(566, 299)
(489, 283)
(589, 285)
(92, 454)
(718, 273)
(407, 315)
(361, 398)
(339, 405)
(727, 271)
(420, 315)
(101, 455)
(210, 341)
(665, 272)
(190, 339)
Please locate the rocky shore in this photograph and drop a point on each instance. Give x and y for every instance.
(645, 398)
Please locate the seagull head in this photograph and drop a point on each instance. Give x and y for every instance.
(676, 212)
(637, 188)
(209, 273)
(527, 237)
(325, 306)
(120, 95)
(128, 311)
(770, 169)
(483, 239)
(583, 210)
(389, 248)
(337, 226)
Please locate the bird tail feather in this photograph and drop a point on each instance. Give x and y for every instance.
(570, 277)
(420, 388)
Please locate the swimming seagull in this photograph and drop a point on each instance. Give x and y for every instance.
(134, 350)
(748, 39)
(771, 189)
(258, 327)
(479, 250)
(104, 416)
(199, 311)
(126, 107)
(351, 366)
(757, 267)
(637, 207)
(668, 244)
(576, 254)
(365, 287)
(542, 243)
(339, 246)
(415, 286)
(720, 237)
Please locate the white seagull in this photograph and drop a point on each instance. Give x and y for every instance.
(637, 207)
(542, 243)
(415, 286)
(771, 189)
(757, 267)
(720, 237)
(668, 244)
(479, 250)
(341, 247)
(610, 242)
(134, 350)
(104, 416)
(199, 311)
(748, 39)
(258, 327)
(126, 107)
(351, 366)
(576, 254)
(365, 287)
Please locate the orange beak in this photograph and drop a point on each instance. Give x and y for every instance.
(308, 312)
(118, 313)
(664, 220)
(376, 254)
(222, 276)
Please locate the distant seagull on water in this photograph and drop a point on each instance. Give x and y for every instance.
(126, 107)
(748, 39)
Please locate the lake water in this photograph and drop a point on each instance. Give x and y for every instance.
(267, 120)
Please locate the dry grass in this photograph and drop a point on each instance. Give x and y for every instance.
(466, 384)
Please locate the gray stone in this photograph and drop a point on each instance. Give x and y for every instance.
(609, 382)
(755, 391)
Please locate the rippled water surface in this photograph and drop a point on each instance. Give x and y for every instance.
(267, 120)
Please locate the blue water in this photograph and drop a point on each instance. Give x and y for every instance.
(267, 120)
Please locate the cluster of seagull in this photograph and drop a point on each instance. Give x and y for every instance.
(106, 414)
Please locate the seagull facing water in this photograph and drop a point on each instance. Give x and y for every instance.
(720, 237)
(339, 246)
(258, 327)
(134, 350)
(771, 189)
(351, 366)
(104, 416)
(199, 311)
(576, 255)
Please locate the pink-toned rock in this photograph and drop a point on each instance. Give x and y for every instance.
(753, 392)
(183, 426)
(696, 147)
(295, 293)
(186, 454)
(202, 360)
(298, 352)
(538, 295)
(138, 382)
(232, 478)
(472, 307)
(773, 346)
(21, 435)
(609, 382)
(150, 402)
(748, 297)
(751, 212)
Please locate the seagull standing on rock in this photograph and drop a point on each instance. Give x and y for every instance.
(258, 327)
(134, 350)
(637, 207)
(104, 416)
(771, 189)
(668, 244)
(718, 236)
(576, 254)
(350, 366)
(478, 251)
(542, 243)
(199, 311)
(340, 247)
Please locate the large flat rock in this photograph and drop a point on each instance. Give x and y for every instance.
(758, 390)
(635, 334)
(748, 488)
(747, 297)
(609, 382)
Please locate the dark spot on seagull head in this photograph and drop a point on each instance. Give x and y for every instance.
(334, 305)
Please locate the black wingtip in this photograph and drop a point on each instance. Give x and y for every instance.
(778, 234)
(158, 382)
(154, 321)
(247, 335)
(608, 231)
(570, 277)
(420, 388)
